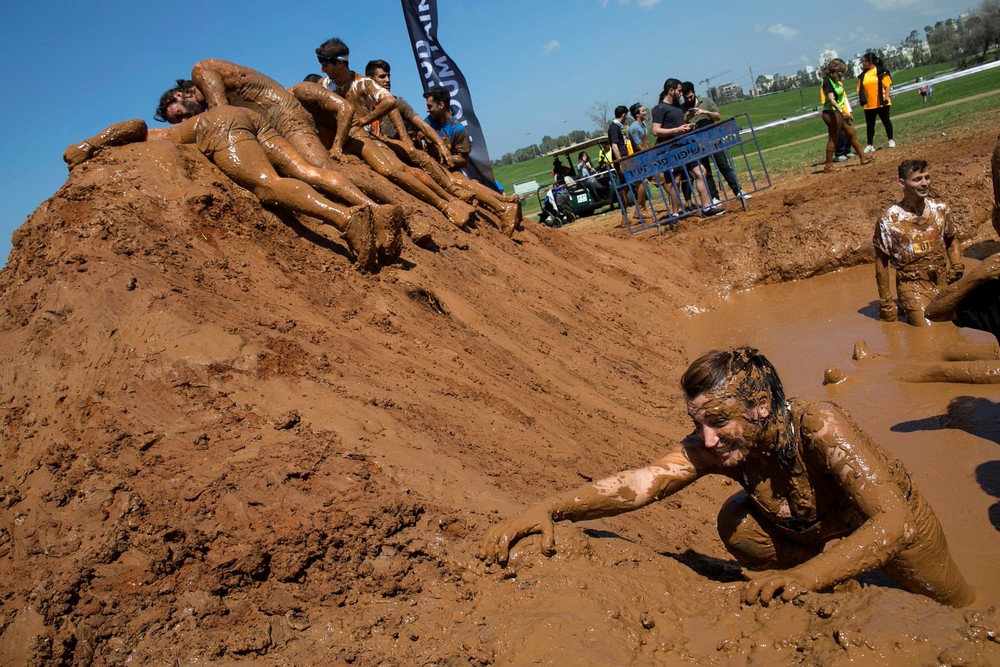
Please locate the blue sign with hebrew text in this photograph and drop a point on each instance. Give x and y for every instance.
(683, 150)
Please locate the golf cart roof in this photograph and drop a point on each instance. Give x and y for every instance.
(569, 150)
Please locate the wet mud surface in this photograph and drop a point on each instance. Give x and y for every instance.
(222, 444)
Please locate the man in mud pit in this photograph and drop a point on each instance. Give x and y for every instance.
(917, 239)
(248, 150)
(821, 502)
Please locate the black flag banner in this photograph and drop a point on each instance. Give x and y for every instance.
(437, 69)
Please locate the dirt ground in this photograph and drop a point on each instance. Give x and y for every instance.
(222, 444)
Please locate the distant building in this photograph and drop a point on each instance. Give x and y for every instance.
(827, 56)
(726, 92)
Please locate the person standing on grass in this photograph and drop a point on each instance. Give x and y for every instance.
(833, 112)
(873, 95)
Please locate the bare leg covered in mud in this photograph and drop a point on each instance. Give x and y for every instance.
(388, 218)
(119, 134)
(228, 136)
(834, 123)
(964, 363)
(326, 107)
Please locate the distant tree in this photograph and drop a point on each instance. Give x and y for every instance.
(941, 40)
(980, 31)
(600, 114)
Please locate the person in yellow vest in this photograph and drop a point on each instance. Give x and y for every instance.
(834, 116)
(873, 95)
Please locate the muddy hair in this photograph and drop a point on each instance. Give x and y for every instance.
(753, 374)
(169, 97)
(907, 167)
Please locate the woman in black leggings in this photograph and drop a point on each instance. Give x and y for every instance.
(873, 94)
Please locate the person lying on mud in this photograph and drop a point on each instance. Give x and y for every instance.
(248, 150)
(370, 103)
(404, 121)
(821, 502)
(915, 237)
(219, 82)
(316, 146)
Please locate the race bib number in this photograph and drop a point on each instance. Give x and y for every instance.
(920, 247)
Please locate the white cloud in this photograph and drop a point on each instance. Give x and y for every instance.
(782, 31)
(554, 45)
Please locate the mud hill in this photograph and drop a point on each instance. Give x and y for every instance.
(220, 443)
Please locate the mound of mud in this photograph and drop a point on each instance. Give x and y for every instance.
(221, 443)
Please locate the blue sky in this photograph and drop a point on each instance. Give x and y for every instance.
(534, 68)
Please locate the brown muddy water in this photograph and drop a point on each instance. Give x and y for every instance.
(947, 434)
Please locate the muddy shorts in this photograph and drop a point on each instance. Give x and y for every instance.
(219, 128)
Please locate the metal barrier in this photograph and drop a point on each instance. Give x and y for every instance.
(667, 161)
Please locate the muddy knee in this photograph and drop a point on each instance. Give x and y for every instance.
(743, 535)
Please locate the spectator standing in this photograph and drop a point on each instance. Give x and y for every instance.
(637, 130)
(702, 112)
(873, 94)
(668, 124)
(640, 141)
(616, 136)
(835, 99)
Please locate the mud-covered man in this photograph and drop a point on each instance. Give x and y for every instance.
(247, 149)
(915, 237)
(821, 502)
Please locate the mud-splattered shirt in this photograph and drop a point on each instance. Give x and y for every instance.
(906, 238)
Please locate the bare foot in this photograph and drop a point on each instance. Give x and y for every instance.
(419, 230)
(828, 169)
(458, 212)
(360, 236)
(388, 221)
(78, 154)
(511, 218)
(868, 160)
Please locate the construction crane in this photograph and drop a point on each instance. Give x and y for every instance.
(708, 82)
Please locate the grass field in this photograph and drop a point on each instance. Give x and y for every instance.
(799, 144)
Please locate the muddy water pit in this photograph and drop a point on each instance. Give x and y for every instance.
(947, 434)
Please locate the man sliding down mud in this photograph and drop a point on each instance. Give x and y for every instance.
(248, 150)
(821, 502)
